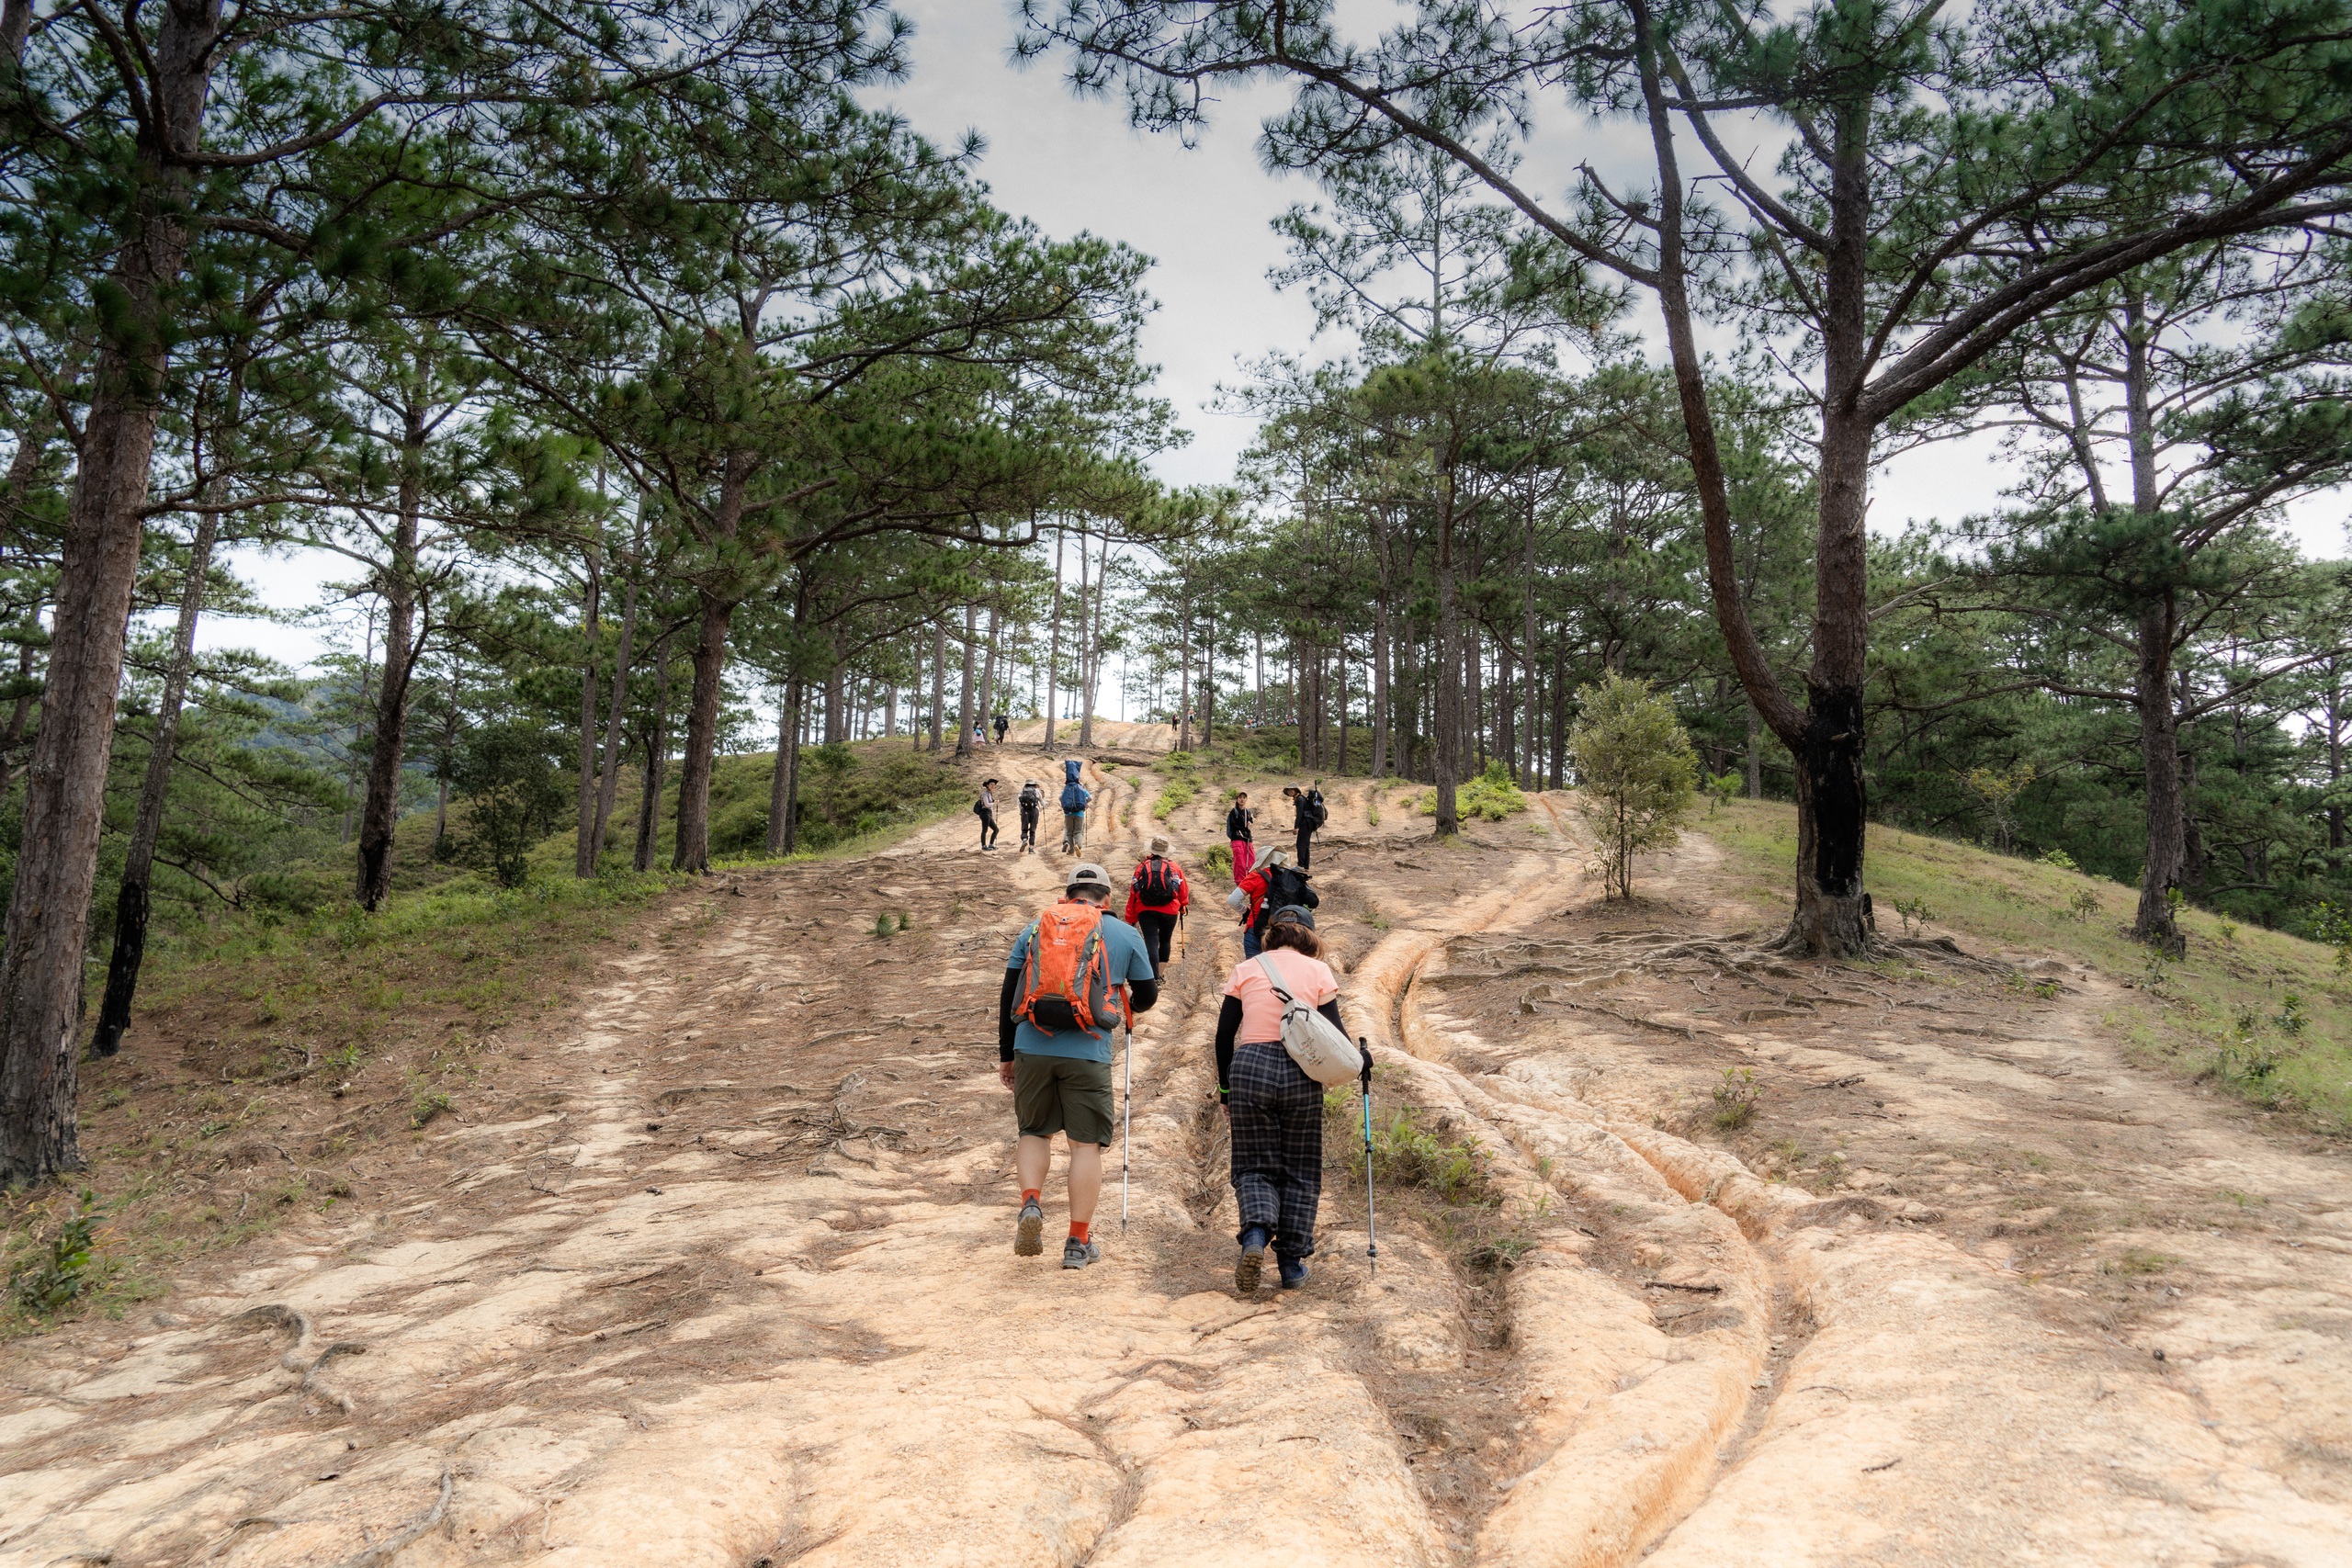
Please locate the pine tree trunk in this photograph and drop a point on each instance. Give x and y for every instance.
(1448, 690)
(130, 899)
(2168, 858)
(938, 684)
(657, 752)
(583, 845)
(963, 690)
(616, 711)
(1054, 655)
(988, 677)
(57, 862)
(692, 849)
(1184, 670)
(1341, 672)
(1380, 684)
(1755, 754)
(787, 760)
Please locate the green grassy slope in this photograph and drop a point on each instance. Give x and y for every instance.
(2266, 1015)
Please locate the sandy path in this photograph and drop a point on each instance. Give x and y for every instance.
(722, 1275)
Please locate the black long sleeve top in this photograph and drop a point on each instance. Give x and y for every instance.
(1228, 1026)
(1237, 824)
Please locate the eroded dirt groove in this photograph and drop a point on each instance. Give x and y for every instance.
(720, 1274)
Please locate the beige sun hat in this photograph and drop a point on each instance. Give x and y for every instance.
(1159, 845)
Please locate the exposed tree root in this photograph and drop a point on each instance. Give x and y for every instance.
(381, 1552)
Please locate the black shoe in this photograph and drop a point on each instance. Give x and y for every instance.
(1251, 1261)
(1077, 1254)
(1029, 1236)
(1292, 1271)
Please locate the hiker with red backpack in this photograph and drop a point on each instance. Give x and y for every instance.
(1157, 893)
(1075, 974)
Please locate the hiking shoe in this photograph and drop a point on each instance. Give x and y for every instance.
(1029, 1236)
(1077, 1254)
(1253, 1260)
(1292, 1271)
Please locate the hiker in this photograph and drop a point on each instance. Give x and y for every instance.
(979, 736)
(1273, 884)
(1306, 815)
(985, 808)
(1074, 798)
(1032, 801)
(1276, 1110)
(1002, 724)
(1074, 974)
(1157, 893)
(1237, 833)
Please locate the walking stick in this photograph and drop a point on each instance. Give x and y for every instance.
(1126, 1120)
(1370, 1210)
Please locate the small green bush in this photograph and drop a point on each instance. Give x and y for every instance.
(1734, 1099)
(60, 1274)
(1404, 1152)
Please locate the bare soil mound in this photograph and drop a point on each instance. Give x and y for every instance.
(1689, 1253)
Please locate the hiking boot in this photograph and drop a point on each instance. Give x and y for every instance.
(1292, 1271)
(1029, 1236)
(1252, 1260)
(1077, 1254)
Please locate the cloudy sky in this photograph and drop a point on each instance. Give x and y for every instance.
(1204, 213)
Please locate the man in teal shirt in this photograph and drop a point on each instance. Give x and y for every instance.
(1060, 1079)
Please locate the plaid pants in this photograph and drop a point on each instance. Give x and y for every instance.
(1277, 1147)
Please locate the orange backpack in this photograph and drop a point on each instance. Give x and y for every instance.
(1063, 980)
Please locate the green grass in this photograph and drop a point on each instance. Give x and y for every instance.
(1492, 796)
(2266, 1015)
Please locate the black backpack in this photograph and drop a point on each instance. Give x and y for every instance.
(1316, 815)
(1159, 882)
(1285, 886)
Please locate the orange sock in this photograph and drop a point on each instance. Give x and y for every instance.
(1078, 1230)
(1031, 1194)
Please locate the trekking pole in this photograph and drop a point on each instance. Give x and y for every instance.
(1126, 1120)
(1370, 1210)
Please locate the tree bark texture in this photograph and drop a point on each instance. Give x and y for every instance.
(657, 752)
(131, 897)
(2167, 859)
(938, 680)
(616, 711)
(584, 846)
(963, 690)
(49, 910)
(692, 851)
(779, 788)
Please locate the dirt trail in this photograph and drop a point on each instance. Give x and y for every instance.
(722, 1274)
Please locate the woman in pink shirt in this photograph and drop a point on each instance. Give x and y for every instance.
(1275, 1108)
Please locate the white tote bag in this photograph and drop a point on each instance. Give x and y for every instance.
(1321, 1052)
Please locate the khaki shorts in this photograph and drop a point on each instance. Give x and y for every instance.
(1062, 1094)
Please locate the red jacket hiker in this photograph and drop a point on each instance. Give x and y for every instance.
(1166, 905)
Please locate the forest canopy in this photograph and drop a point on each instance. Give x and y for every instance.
(678, 419)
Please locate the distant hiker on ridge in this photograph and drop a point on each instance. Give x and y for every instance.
(1075, 796)
(1306, 815)
(1075, 974)
(1032, 801)
(1237, 833)
(1002, 724)
(985, 808)
(1156, 895)
(1276, 1110)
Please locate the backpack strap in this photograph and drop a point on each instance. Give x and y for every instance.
(1274, 979)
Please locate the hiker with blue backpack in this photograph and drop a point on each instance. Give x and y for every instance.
(1075, 973)
(1075, 796)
